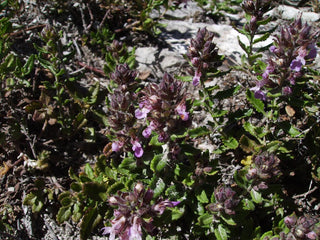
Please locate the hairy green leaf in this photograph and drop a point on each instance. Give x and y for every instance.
(221, 232)
(158, 163)
(64, 214)
(257, 103)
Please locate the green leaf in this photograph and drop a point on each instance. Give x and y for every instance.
(247, 205)
(89, 134)
(291, 130)
(35, 200)
(256, 196)
(221, 232)
(176, 213)
(128, 163)
(219, 113)
(243, 31)
(205, 219)
(231, 143)
(243, 46)
(258, 132)
(229, 220)
(28, 66)
(66, 201)
(240, 178)
(254, 57)
(83, 178)
(294, 132)
(87, 223)
(158, 163)
(64, 214)
(77, 212)
(202, 197)
(155, 142)
(89, 171)
(115, 187)
(29, 199)
(267, 234)
(264, 21)
(76, 217)
(102, 117)
(173, 137)
(247, 144)
(72, 175)
(94, 90)
(262, 38)
(185, 78)
(227, 93)
(95, 191)
(63, 195)
(110, 173)
(158, 186)
(9, 62)
(257, 103)
(198, 132)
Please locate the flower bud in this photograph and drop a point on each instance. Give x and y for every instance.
(139, 188)
(195, 61)
(311, 235)
(290, 221)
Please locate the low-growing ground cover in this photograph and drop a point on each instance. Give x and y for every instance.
(92, 144)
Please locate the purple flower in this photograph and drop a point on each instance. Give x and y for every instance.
(195, 61)
(136, 147)
(311, 235)
(226, 200)
(290, 221)
(273, 49)
(116, 146)
(258, 93)
(286, 91)
(141, 113)
(297, 64)
(134, 212)
(147, 132)
(181, 110)
(312, 51)
(196, 78)
(118, 225)
(265, 75)
(135, 231)
(161, 206)
(162, 136)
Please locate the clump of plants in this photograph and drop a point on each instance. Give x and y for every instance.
(150, 178)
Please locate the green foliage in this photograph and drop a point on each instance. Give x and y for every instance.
(38, 197)
(233, 173)
(85, 204)
(218, 8)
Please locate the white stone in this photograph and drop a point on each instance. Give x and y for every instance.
(291, 13)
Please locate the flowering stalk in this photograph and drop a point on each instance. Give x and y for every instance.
(265, 168)
(255, 10)
(122, 119)
(135, 211)
(163, 107)
(293, 49)
(226, 201)
(203, 55)
(304, 227)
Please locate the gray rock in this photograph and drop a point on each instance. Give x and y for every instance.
(177, 35)
(190, 11)
(290, 13)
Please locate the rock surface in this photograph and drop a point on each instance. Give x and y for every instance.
(182, 26)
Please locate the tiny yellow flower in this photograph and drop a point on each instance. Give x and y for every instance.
(247, 161)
